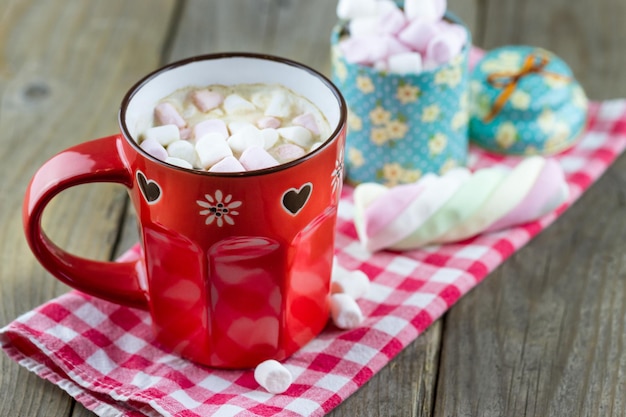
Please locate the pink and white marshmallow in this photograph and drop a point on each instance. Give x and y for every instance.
(166, 114)
(206, 99)
(457, 205)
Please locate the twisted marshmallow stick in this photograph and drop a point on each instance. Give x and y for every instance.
(457, 205)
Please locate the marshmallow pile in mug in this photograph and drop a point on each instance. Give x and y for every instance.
(234, 128)
(402, 41)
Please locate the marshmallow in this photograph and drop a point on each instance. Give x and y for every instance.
(405, 63)
(279, 105)
(206, 99)
(443, 47)
(228, 164)
(165, 134)
(345, 312)
(362, 26)
(315, 146)
(167, 114)
(351, 9)
(234, 103)
(391, 19)
(212, 148)
(268, 122)
(454, 29)
(371, 48)
(178, 162)
(457, 205)
(273, 376)
(210, 126)
(308, 121)
(353, 283)
(288, 152)
(185, 133)
(418, 34)
(182, 149)
(431, 10)
(270, 137)
(296, 134)
(234, 127)
(154, 148)
(245, 138)
(256, 157)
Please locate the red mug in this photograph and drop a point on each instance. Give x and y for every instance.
(235, 267)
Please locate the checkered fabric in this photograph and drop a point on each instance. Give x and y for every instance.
(104, 355)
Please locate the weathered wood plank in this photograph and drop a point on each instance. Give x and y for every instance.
(59, 88)
(546, 333)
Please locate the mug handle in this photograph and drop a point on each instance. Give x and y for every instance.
(94, 161)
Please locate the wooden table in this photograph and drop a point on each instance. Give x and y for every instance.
(543, 335)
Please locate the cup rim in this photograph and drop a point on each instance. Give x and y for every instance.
(341, 124)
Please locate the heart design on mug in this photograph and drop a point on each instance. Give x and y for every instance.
(149, 188)
(294, 200)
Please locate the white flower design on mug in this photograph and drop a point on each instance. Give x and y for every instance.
(219, 209)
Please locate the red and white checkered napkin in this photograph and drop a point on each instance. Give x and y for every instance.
(104, 355)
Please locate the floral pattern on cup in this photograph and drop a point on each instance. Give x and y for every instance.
(401, 127)
(219, 209)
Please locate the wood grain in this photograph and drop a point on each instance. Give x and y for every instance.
(545, 334)
(60, 87)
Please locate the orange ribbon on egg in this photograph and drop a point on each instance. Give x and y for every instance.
(508, 80)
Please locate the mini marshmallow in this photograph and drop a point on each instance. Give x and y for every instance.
(185, 133)
(381, 65)
(315, 146)
(167, 114)
(279, 105)
(363, 26)
(307, 120)
(256, 157)
(165, 134)
(178, 162)
(210, 126)
(234, 127)
(391, 19)
(405, 63)
(353, 283)
(431, 10)
(206, 100)
(234, 103)
(245, 138)
(443, 47)
(228, 164)
(455, 29)
(371, 48)
(182, 149)
(268, 122)
(270, 137)
(154, 148)
(345, 312)
(273, 376)
(296, 134)
(351, 9)
(212, 148)
(418, 34)
(288, 152)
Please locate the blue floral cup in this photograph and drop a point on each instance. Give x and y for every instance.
(401, 127)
